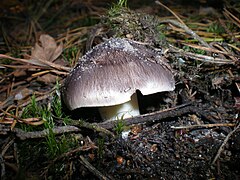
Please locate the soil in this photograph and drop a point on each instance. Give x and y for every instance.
(190, 133)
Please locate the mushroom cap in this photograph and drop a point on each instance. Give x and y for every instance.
(111, 73)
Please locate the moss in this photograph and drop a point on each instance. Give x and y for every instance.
(137, 26)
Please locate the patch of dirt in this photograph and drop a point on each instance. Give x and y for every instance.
(190, 133)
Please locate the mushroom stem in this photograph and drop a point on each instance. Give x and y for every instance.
(125, 110)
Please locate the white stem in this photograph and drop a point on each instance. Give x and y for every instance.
(125, 110)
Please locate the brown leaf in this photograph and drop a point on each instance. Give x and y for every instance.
(154, 148)
(237, 103)
(38, 53)
(19, 72)
(57, 52)
(22, 93)
(47, 42)
(47, 51)
(47, 78)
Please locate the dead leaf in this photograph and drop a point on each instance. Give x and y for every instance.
(22, 93)
(217, 81)
(50, 46)
(136, 129)
(19, 73)
(237, 103)
(154, 148)
(47, 51)
(47, 78)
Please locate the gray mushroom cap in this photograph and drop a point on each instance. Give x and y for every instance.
(111, 73)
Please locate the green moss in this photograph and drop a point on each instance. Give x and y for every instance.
(216, 28)
(70, 54)
(119, 127)
(122, 3)
(55, 145)
(194, 50)
(100, 150)
(137, 26)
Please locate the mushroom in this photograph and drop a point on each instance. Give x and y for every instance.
(109, 75)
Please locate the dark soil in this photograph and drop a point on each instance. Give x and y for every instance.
(200, 141)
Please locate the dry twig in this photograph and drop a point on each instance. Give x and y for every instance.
(3, 151)
(150, 117)
(2, 165)
(47, 64)
(200, 57)
(40, 134)
(203, 126)
(224, 143)
(92, 169)
(94, 126)
(187, 30)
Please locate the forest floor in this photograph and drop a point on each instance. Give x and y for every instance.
(192, 132)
